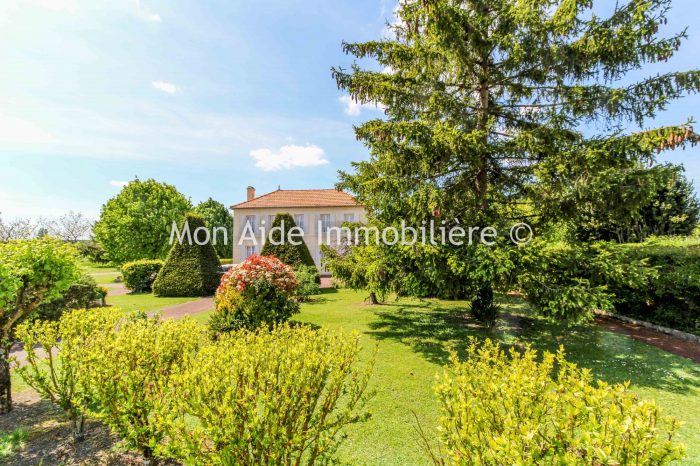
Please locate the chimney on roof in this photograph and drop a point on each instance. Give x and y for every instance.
(251, 193)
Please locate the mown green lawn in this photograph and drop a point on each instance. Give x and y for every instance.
(92, 268)
(102, 278)
(146, 302)
(414, 337)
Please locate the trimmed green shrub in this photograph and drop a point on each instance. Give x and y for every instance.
(671, 296)
(127, 371)
(499, 408)
(53, 371)
(291, 254)
(309, 280)
(83, 294)
(190, 269)
(571, 281)
(258, 292)
(277, 397)
(139, 275)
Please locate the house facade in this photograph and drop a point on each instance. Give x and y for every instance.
(316, 211)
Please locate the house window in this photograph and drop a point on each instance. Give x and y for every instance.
(349, 217)
(270, 221)
(299, 220)
(325, 221)
(249, 251)
(251, 220)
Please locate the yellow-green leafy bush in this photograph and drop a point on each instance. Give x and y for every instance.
(503, 409)
(127, 373)
(56, 356)
(277, 396)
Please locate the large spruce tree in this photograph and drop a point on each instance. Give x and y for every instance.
(499, 111)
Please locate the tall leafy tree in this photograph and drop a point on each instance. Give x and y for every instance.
(136, 223)
(500, 111)
(216, 216)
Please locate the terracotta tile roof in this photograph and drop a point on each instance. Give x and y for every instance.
(300, 198)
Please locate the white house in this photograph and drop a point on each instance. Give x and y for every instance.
(315, 211)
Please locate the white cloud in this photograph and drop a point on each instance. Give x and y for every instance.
(166, 87)
(354, 108)
(145, 14)
(17, 131)
(118, 184)
(289, 156)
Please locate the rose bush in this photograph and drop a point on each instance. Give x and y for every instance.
(259, 291)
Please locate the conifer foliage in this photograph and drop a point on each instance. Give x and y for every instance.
(278, 243)
(489, 107)
(190, 269)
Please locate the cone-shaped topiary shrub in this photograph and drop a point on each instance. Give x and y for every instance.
(190, 269)
(278, 243)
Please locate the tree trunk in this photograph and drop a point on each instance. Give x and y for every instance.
(5, 387)
(373, 298)
(79, 428)
(148, 459)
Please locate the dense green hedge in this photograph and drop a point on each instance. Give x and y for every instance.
(671, 297)
(139, 275)
(189, 269)
(657, 281)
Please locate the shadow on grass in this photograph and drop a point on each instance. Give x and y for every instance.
(433, 328)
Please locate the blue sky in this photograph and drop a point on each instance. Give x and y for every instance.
(211, 96)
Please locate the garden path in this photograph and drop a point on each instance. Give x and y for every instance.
(189, 308)
(674, 345)
(115, 289)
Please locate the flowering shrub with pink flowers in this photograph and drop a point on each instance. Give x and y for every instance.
(258, 292)
(256, 268)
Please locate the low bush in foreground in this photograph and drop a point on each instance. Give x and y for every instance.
(56, 355)
(126, 375)
(260, 291)
(139, 275)
(499, 408)
(277, 396)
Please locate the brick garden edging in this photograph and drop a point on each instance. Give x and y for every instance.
(669, 331)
